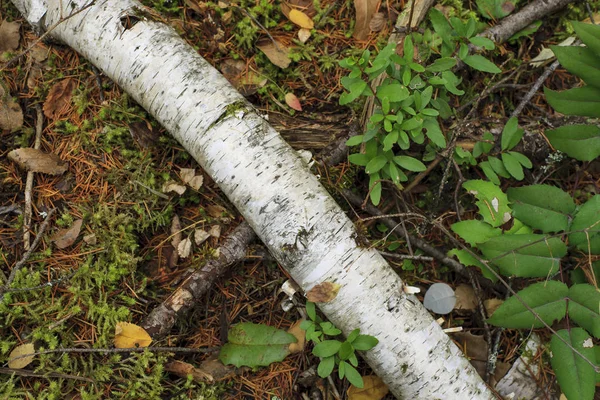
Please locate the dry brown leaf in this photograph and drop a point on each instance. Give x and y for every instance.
(476, 349)
(130, 335)
(245, 80)
(216, 211)
(364, 12)
(11, 115)
(143, 134)
(323, 292)
(19, 351)
(39, 53)
(34, 75)
(210, 371)
(173, 187)
(373, 389)
(90, 239)
(196, 5)
(188, 176)
(275, 51)
(378, 21)
(303, 35)
(184, 248)
(465, 298)
(292, 101)
(301, 19)
(215, 231)
(63, 238)
(9, 36)
(300, 335)
(59, 98)
(37, 161)
(200, 236)
(176, 239)
(492, 305)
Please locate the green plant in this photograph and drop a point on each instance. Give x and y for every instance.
(579, 141)
(334, 352)
(518, 252)
(410, 98)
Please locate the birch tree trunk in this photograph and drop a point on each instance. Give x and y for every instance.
(272, 188)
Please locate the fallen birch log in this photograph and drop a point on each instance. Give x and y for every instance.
(270, 185)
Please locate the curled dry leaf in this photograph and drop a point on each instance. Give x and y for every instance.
(189, 177)
(9, 36)
(11, 115)
(129, 335)
(304, 35)
(275, 51)
(364, 12)
(373, 389)
(173, 187)
(323, 292)
(300, 335)
(301, 19)
(216, 211)
(59, 98)
(19, 351)
(465, 298)
(37, 161)
(63, 238)
(176, 239)
(215, 231)
(184, 248)
(377, 22)
(200, 236)
(209, 371)
(292, 101)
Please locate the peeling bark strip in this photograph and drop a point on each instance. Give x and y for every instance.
(273, 189)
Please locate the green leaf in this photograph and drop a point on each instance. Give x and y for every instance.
(485, 145)
(346, 350)
(430, 112)
(468, 260)
(354, 377)
(394, 173)
(364, 342)
(353, 360)
(463, 51)
(513, 166)
(583, 101)
(359, 159)
(389, 140)
(311, 310)
(484, 42)
(459, 26)
(473, 231)
(394, 92)
(412, 123)
(547, 299)
(498, 167)
(342, 369)
(492, 202)
(489, 172)
(495, 9)
(581, 61)
(575, 375)
(441, 64)
(434, 133)
(416, 67)
(376, 164)
(584, 307)
(325, 367)
(426, 96)
(587, 220)
(578, 141)
(481, 63)
(451, 82)
(354, 140)
(304, 325)
(440, 23)
(410, 163)
(542, 207)
(523, 160)
(511, 134)
(327, 348)
(353, 335)
(524, 255)
(375, 188)
(408, 48)
(529, 30)
(589, 34)
(255, 345)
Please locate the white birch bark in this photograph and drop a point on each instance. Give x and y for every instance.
(272, 188)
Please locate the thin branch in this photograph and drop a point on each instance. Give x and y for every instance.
(29, 182)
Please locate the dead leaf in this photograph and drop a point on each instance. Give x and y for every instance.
(11, 115)
(63, 238)
(39, 53)
(476, 349)
(323, 292)
(188, 176)
(90, 239)
(59, 98)
(275, 51)
(184, 248)
(373, 389)
(216, 211)
(176, 239)
(378, 21)
(215, 231)
(34, 75)
(143, 134)
(465, 298)
(492, 305)
(196, 6)
(37, 161)
(292, 101)
(301, 19)
(304, 35)
(173, 187)
(210, 371)
(130, 335)
(364, 13)
(19, 351)
(242, 77)
(300, 335)
(200, 236)
(9, 36)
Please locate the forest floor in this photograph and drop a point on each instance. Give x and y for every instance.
(113, 224)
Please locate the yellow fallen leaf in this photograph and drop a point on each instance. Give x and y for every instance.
(323, 292)
(301, 19)
(275, 51)
(373, 389)
(130, 335)
(19, 351)
(300, 335)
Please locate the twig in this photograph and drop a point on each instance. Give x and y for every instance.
(29, 182)
(23, 260)
(25, 372)
(535, 88)
(406, 256)
(43, 285)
